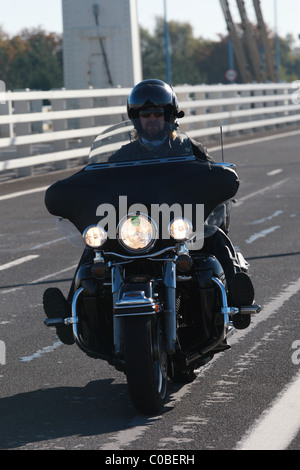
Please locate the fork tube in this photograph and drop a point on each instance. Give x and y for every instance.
(74, 314)
(170, 300)
(116, 276)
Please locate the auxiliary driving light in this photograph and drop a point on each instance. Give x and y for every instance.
(94, 236)
(180, 229)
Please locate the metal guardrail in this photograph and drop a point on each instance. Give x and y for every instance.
(57, 126)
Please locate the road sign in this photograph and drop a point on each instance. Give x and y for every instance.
(231, 75)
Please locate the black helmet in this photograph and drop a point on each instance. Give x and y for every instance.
(153, 92)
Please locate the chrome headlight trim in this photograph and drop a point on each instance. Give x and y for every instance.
(137, 233)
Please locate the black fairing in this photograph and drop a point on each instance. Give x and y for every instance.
(189, 182)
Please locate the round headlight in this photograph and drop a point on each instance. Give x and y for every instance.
(137, 232)
(180, 229)
(94, 236)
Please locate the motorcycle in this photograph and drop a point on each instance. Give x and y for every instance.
(146, 297)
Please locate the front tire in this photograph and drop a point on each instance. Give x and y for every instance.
(145, 363)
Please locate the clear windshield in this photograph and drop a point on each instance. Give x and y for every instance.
(120, 146)
(217, 218)
(122, 143)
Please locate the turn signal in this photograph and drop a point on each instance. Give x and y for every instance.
(184, 263)
(99, 270)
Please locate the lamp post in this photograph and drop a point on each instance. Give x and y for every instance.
(167, 50)
(276, 40)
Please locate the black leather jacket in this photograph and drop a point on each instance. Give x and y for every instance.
(201, 152)
(138, 150)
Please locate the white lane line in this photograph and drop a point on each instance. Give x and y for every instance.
(275, 172)
(2, 354)
(17, 262)
(23, 193)
(41, 352)
(48, 276)
(265, 219)
(255, 141)
(284, 434)
(41, 245)
(241, 200)
(262, 234)
(269, 309)
(41, 279)
(119, 440)
(278, 426)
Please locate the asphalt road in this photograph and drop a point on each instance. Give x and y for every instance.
(52, 396)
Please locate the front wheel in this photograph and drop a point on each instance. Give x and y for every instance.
(145, 363)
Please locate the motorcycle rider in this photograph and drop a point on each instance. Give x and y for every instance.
(152, 106)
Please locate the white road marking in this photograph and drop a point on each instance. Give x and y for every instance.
(122, 439)
(285, 434)
(265, 219)
(41, 279)
(48, 276)
(278, 426)
(41, 245)
(275, 172)
(255, 141)
(18, 261)
(260, 192)
(138, 427)
(261, 234)
(39, 353)
(2, 354)
(23, 193)
(269, 309)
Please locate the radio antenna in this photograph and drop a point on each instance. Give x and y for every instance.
(222, 146)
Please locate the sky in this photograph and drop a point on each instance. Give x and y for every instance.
(205, 16)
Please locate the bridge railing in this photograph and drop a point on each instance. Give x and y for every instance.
(56, 127)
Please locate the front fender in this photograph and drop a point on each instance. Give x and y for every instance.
(136, 298)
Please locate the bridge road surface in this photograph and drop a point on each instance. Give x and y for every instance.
(54, 397)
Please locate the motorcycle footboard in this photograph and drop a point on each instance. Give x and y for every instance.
(251, 310)
(226, 310)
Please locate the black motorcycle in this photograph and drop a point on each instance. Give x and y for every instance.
(146, 296)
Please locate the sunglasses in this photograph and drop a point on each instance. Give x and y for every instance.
(156, 113)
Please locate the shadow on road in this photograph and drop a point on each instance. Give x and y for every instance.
(98, 408)
(279, 255)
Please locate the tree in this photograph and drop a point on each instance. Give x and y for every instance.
(197, 60)
(289, 60)
(153, 57)
(32, 59)
(193, 60)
